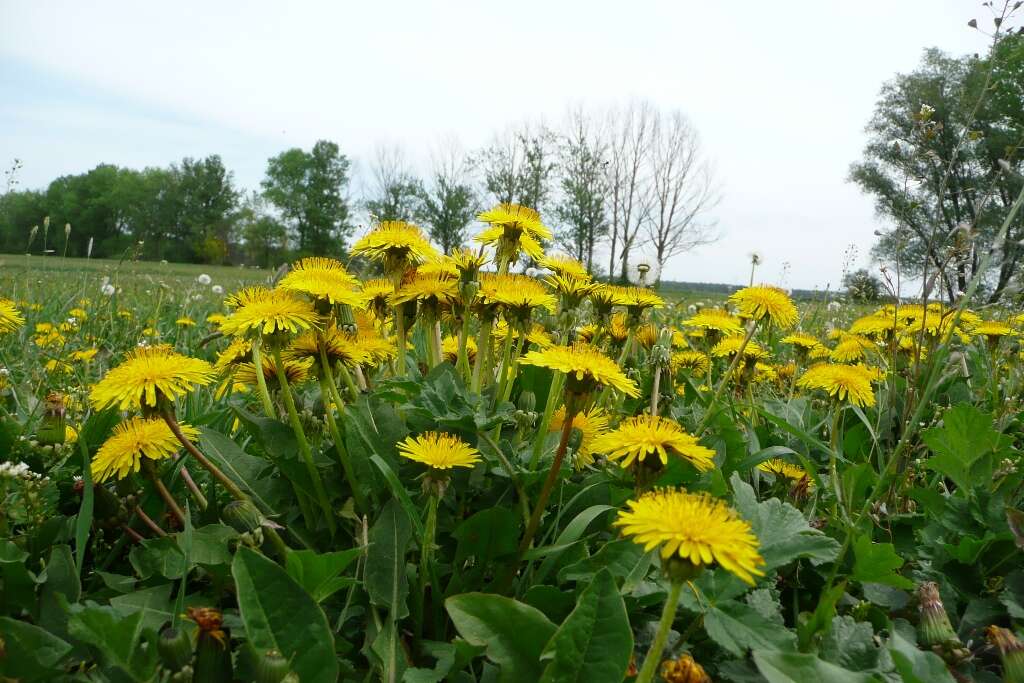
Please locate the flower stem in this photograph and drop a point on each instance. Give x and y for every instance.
(483, 347)
(722, 382)
(462, 362)
(172, 505)
(549, 483)
(261, 381)
(300, 436)
(339, 446)
(506, 355)
(400, 337)
(554, 397)
(668, 615)
(427, 558)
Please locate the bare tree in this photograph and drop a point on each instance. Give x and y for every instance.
(583, 187)
(394, 190)
(519, 165)
(683, 190)
(449, 203)
(629, 191)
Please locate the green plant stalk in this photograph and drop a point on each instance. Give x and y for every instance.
(165, 495)
(554, 397)
(426, 560)
(462, 362)
(339, 446)
(261, 381)
(937, 360)
(722, 382)
(346, 377)
(517, 353)
(506, 357)
(668, 615)
(400, 338)
(482, 351)
(300, 436)
(549, 483)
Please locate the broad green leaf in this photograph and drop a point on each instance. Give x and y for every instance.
(279, 615)
(783, 533)
(118, 638)
(320, 574)
(61, 580)
(30, 653)
(962, 446)
(158, 557)
(154, 604)
(739, 627)
(877, 563)
(385, 577)
(851, 645)
(917, 666)
(514, 634)
(18, 585)
(242, 468)
(487, 535)
(821, 619)
(554, 603)
(620, 557)
(570, 534)
(210, 544)
(595, 642)
(791, 667)
(400, 494)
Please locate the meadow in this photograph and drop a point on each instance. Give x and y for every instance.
(451, 471)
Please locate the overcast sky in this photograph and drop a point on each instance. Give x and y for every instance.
(779, 91)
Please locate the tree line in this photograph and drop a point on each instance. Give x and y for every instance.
(616, 185)
(945, 164)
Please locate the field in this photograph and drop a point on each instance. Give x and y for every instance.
(448, 473)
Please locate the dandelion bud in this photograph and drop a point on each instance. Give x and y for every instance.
(175, 648)
(46, 224)
(88, 250)
(934, 628)
(67, 230)
(242, 516)
(527, 402)
(679, 570)
(1011, 649)
(270, 667)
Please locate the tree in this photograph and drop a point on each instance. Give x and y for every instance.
(862, 286)
(264, 236)
(308, 189)
(683, 191)
(448, 203)
(584, 186)
(208, 201)
(519, 165)
(940, 137)
(629, 191)
(395, 191)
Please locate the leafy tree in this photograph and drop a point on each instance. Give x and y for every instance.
(308, 188)
(940, 139)
(207, 200)
(265, 237)
(862, 286)
(395, 194)
(584, 188)
(448, 203)
(519, 166)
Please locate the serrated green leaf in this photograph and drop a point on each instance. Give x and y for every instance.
(513, 634)
(877, 563)
(962, 446)
(320, 574)
(30, 653)
(739, 628)
(916, 666)
(595, 642)
(791, 667)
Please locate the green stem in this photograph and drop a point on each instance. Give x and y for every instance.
(506, 354)
(300, 436)
(482, 351)
(722, 382)
(552, 478)
(339, 446)
(261, 381)
(400, 337)
(462, 362)
(668, 615)
(346, 377)
(554, 397)
(427, 558)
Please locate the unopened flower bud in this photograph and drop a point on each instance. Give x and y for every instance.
(934, 628)
(270, 667)
(175, 648)
(242, 516)
(1011, 649)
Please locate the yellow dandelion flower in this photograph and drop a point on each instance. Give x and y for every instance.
(428, 290)
(845, 382)
(571, 288)
(58, 367)
(684, 670)
(647, 335)
(618, 328)
(993, 330)
(133, 440)
(296, 370)
(587, 333)
(694, 361)
(875, 324)
(637, 437)
(513, 229)
(397, 245)
(781, 468)
(323, 279)
(78, 313)
(439, 450)
(83, 356)
(517, 295)
(10, 318)
(450, 348)
(147, 372)
(694, 527)
(215, 319)
(238, 351)
(639, 299)
(730, 346)
(852, 348)
(764, 301)
(565, 266)
(716, 319)
(376, 296)
(269, 311)
(339, 346)
(468, 262)
(591, 424)
(585, 366)
(605, 297)
(185, 321)
(802, 340)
